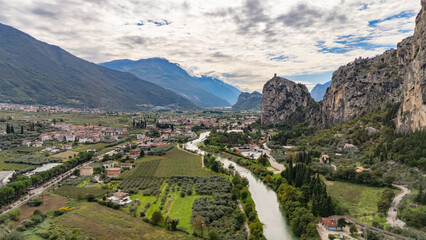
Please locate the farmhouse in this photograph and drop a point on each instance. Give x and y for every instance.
(66, 147)
(325, 158)
(361, 169)
(38, 144)
(329, 224)
(26, 143)
(126, 165)
(135, 153)
(113, 172)
(86, 171)
(121, 198)
(108, 164)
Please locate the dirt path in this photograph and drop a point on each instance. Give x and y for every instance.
(278, 166)
(245, 222)
(392, 213)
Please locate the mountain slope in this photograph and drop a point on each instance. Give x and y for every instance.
(34, 72)
(319, 90)
(249, 101)
(219, 88)
(171, 76)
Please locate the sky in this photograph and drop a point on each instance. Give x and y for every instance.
(242, 42)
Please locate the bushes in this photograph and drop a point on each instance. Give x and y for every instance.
(385, 201)
(35, 202)
(110, 204)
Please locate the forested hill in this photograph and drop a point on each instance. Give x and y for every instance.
(34, 72)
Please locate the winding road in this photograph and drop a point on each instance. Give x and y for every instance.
(391, 218)
(278, 166)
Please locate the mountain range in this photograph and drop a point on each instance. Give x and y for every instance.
(34, 72)
(248, 102)
(319, 90)
(203, 91)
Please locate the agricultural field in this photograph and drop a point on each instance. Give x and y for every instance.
(79, 192)
(65, 155)
(360, 200)
(174, 163)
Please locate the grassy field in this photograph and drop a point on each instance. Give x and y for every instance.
(115, 224)
(360, 200)
(65, 155)
(50, 202)
(176, 163)
(176, 207)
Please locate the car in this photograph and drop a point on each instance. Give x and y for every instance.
(394, 209)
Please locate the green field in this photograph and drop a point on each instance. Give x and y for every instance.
(175, 163)
(79, 192)
(360, 200)
(95, 220)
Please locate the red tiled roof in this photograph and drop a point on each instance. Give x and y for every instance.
(329, 222)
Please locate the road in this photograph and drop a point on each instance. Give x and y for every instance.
(278, 166)
(37, 191)
(391, 218)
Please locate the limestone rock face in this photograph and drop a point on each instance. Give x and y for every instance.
(285, 100)
(248, 101)
(364, 85)
(412, 54)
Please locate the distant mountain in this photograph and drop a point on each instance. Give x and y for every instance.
(219, 88)
(204, 91)
(319, 90)
(34, 72)
(249, 101)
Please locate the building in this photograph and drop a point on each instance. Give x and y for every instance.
(126, 165)
(361, 169)
(108, 164)
(70, 138)
(38, 144)
(86, 171)
(113, 172)
(330, 224)
(26, 143)
(91, 150)
(325, 158)
(135, 153)
(66, 147)
(121, 198)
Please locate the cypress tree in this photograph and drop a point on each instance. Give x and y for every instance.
(12, 130)
(22, 129)
(7, 128)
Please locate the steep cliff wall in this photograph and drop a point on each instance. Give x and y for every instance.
(364, 85)
(412, 54)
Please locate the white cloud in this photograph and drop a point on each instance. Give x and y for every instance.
(231, 39)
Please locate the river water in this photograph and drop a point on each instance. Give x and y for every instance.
(267, 206)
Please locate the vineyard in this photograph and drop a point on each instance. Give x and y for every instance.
(144, 169)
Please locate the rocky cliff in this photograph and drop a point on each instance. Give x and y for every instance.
(248, 101)
(364, 85)
(285, 100)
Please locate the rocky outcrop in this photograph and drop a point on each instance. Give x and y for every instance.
(285, 100)
(248, 102)
(412, 54)
(364, 85)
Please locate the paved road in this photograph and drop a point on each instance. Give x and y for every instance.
(37, 191)
(278, 166)
(391, 218)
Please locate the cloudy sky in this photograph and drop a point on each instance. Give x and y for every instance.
(243, 42)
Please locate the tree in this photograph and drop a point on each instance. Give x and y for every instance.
(263, 159)
(12, 130)
(198, 224)
(22, 129)
(156, 218)
(213, 235)
(341, 222)
(172, 223)
(142, 153)
(7, 128)
(353, 229)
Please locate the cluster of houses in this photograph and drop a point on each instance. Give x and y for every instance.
(82, 134)
(33, 108)
(206, 121)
